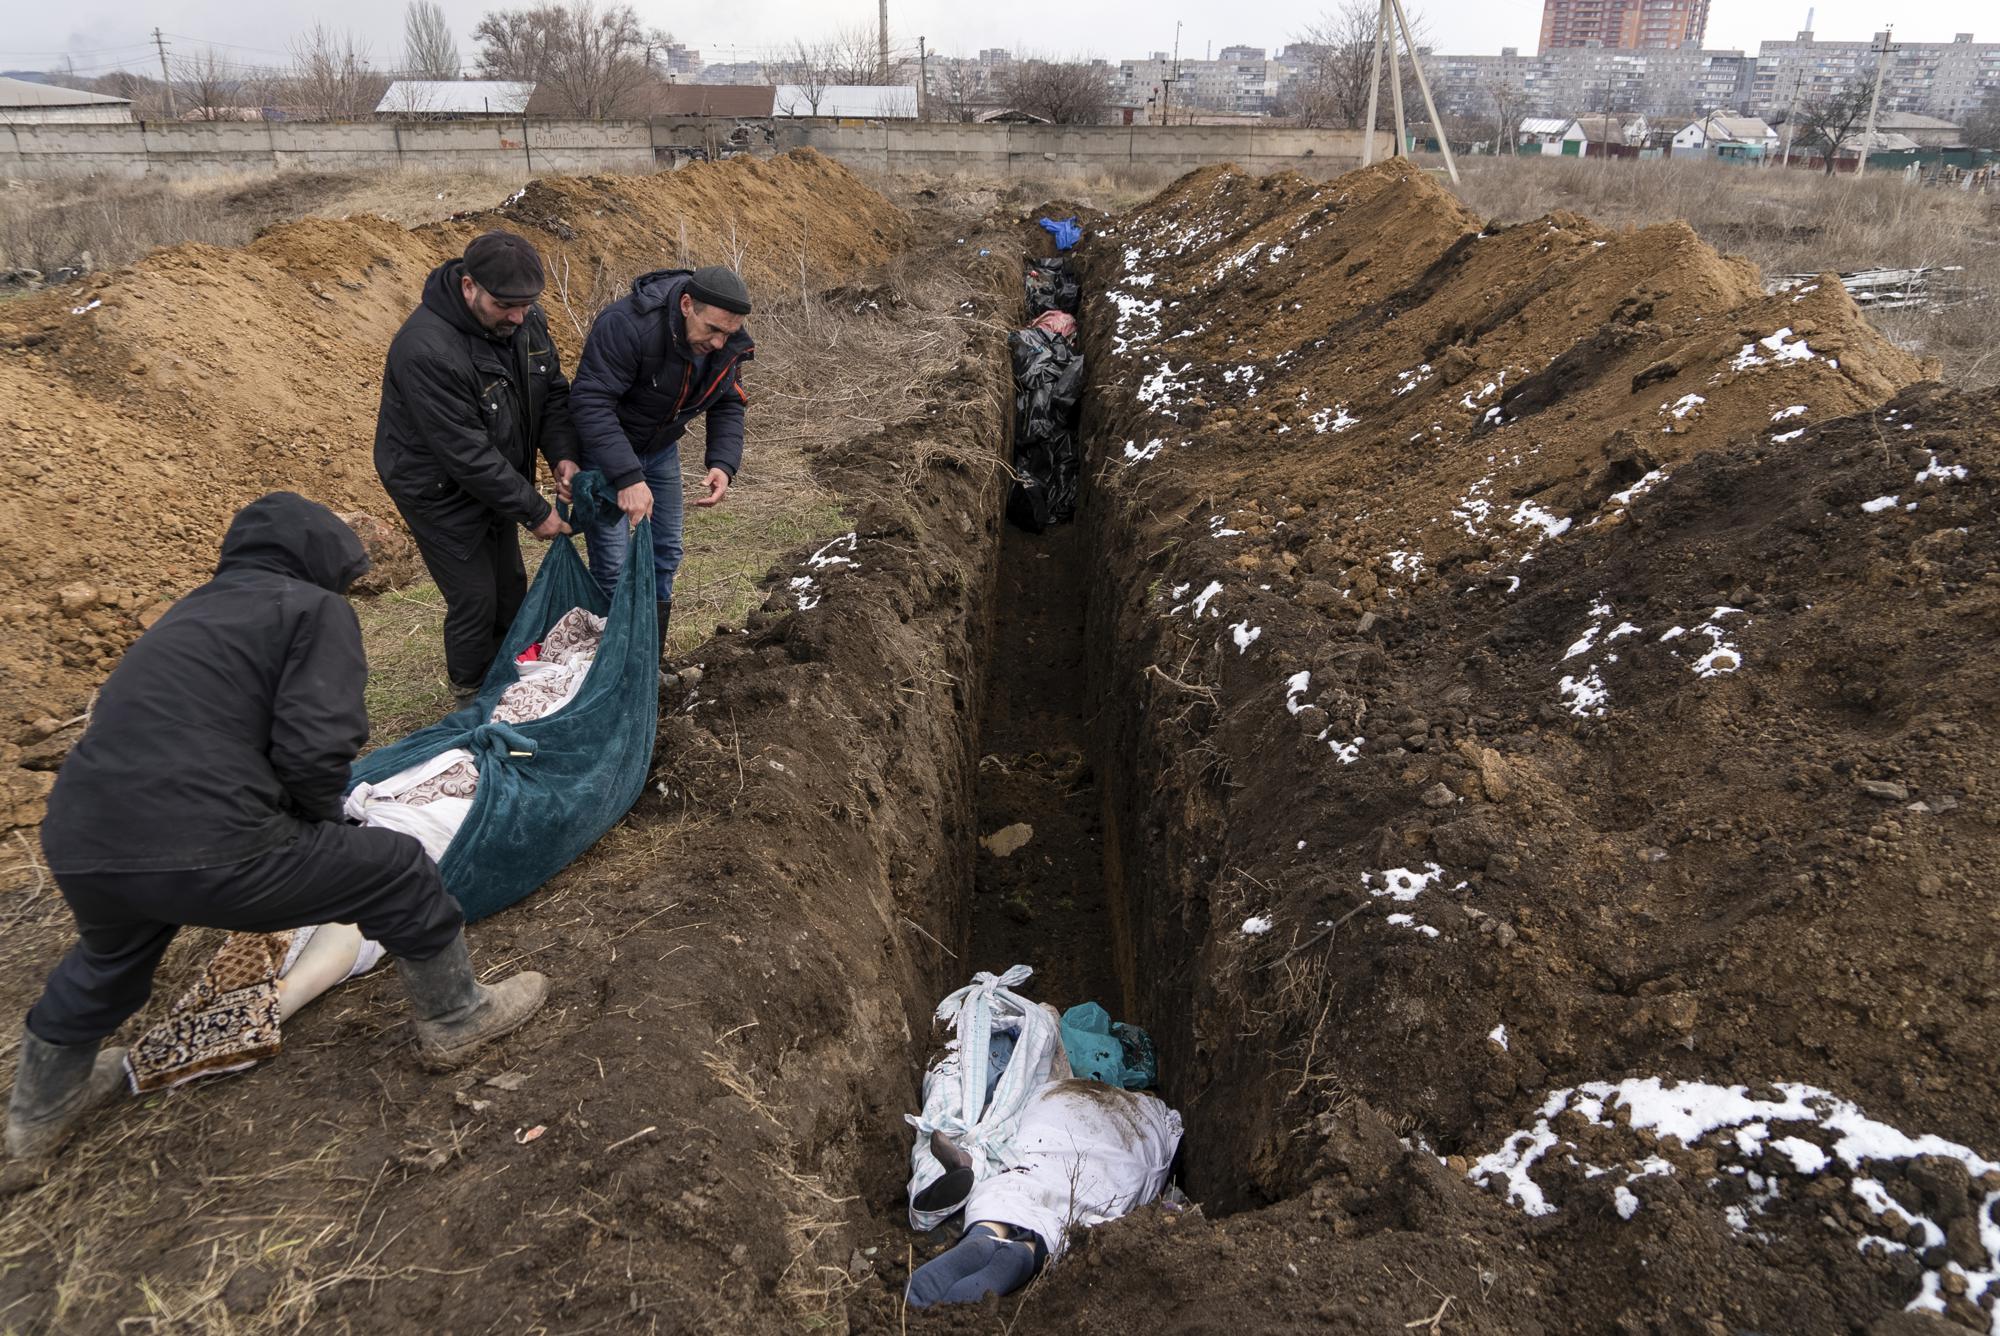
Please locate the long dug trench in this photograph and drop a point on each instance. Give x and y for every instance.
(1511, 701)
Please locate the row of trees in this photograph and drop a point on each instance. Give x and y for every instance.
(589, 57)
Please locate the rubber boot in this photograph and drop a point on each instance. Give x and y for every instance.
(455, 1013)
(56, 1085)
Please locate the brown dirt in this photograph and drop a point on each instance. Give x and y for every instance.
(743, 970)
(204, 376)
(1691, 884)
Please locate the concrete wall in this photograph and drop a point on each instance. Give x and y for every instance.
(538, 147)
(1060, 150)
(188, 150)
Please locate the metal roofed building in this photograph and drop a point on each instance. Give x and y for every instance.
(24, 102)
(874, 102)
(454, 99)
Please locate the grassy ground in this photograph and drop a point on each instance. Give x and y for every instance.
(728, 551)
(100, 224)
(1790, 222)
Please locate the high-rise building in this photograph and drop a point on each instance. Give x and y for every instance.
(1627, 25)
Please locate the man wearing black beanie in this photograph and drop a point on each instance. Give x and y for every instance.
(672, 349)
(472, 391)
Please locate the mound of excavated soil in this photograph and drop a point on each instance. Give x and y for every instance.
(1589, 675)
(147, 404)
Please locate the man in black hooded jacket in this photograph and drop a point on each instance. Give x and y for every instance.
(471, 391)
(207, 791)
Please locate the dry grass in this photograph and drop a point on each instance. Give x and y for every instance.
(1790, 222)
(101, 223)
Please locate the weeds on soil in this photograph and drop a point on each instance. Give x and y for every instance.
(1790, 222)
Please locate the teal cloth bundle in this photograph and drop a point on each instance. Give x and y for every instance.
(549, 788)
(1099, 1050)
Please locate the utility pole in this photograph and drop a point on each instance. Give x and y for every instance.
(923, 81)
(1166, 108)
(1792, 111)
(166, 80)
(1874, 101)
(883, 36)
(1424, 87)
(1396, 89)
(1374, 84)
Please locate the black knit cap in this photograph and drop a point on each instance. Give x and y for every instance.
(716, 286)
(506, 266)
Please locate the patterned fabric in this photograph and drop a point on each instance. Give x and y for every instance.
(460, 780)
(576, 634)
(226, 1022)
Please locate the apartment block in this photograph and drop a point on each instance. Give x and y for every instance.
(1949, 79)
(1625, 25)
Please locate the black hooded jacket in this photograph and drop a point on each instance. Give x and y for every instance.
(463, 414)
(233, 717)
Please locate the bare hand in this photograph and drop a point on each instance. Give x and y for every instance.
(636, 501)
(718, 487)
(550, 527)
(565, 471)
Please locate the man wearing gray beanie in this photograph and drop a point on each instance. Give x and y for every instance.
(670, 350)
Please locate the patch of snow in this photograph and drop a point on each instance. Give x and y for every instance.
(1529, 514)
(1785, 436)
(1256, 926)
(1640, 488)
(1775, 350)
(1138, 454)
(1246, 635)
(1201, 600)
(1499, 1036)
(1941, 472)
(1336, 418)
(1585, 695)
(1879, 504)
(1626, 1201)
(1796, 410)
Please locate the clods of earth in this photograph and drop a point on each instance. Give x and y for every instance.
(1516, 704)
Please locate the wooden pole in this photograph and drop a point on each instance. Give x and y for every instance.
(1396, 87)
(1424, 87)
(1874, 101)
(1374, 83)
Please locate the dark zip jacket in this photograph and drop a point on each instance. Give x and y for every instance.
(234, 717)
(463, 414)
(638, 384)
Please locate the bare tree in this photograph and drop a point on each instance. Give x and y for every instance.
(813, 74)
(147, 95)
(853, 55)
(429, 49)
(1067, 92)
(1333, 89)
(330, 76)
(1506, 99)
(954, 91)
(205, 82)
(1982, 127)
(591, 61)
(1829, 120)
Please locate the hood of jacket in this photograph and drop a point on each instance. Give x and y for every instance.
(288, 535)
(444, 296)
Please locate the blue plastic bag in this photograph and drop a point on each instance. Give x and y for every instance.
(1118, 1055)
(1066, 231)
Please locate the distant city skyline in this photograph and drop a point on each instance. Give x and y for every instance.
(107, 34)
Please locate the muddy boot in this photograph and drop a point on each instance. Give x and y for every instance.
(57, 1085)
(455, 1013)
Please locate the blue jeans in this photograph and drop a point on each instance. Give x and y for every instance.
(607, 541)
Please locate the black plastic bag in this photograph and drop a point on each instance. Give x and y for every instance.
(1052, 286)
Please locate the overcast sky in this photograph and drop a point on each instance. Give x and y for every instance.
(105, 34)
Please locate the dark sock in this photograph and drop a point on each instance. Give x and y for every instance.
(978, 1265)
